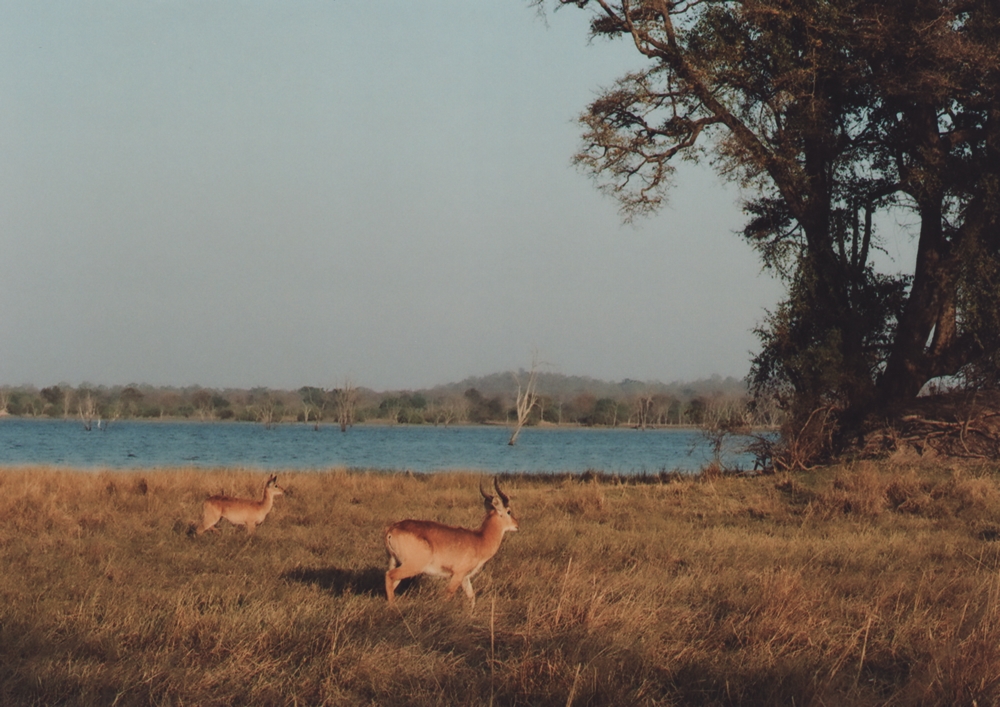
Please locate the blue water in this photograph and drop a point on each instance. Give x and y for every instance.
(134, 444)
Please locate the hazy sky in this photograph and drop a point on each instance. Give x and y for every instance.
(287, 193)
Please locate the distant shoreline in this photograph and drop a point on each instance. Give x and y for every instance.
(366, 423)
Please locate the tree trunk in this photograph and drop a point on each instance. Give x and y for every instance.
(929, 308)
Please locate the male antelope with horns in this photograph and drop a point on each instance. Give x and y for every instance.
(425, 547)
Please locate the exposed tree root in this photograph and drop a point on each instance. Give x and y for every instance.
(958, 425)
(965, 426)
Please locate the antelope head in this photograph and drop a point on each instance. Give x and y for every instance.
(500, 504)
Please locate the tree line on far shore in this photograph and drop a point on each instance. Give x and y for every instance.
(561, 400)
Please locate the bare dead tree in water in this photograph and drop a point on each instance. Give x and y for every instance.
(314, 401)
(527, 398)
(643, 410)
(87, 407)
(345, 400)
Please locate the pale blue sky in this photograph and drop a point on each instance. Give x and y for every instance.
(285, 193)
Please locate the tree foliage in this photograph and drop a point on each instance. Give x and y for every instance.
(828, 114)
(624, 404)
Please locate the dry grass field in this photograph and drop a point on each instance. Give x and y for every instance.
(870, 584)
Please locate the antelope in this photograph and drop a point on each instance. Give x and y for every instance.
(240, 511)
(426, 547)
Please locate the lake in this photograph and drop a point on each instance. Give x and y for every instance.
(147, 444)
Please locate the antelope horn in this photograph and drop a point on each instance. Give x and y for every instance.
(485, 495)
(501, 494)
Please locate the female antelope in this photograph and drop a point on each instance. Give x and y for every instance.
(240, 511)
(425, 547)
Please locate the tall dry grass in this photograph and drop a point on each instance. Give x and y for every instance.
(859, 585)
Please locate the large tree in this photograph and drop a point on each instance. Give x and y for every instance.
(829, 114)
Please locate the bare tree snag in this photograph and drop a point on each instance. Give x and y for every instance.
(527, 398)
(345, 400)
